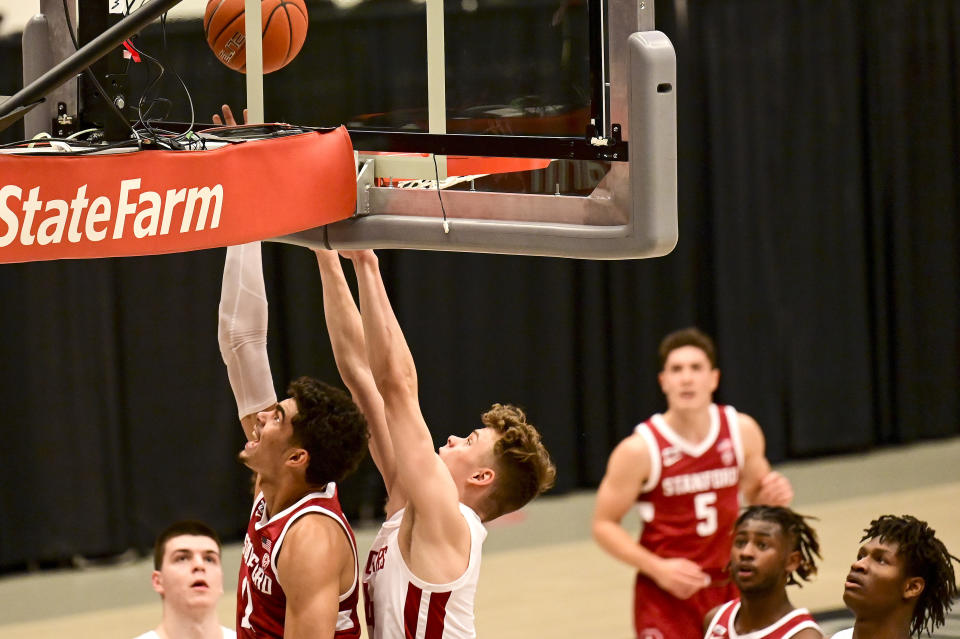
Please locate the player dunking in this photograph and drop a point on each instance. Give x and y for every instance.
(685, 467)
(902, 582)
(772, 546)
(421, 574)
(299, 574)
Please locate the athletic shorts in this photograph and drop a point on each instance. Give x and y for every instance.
(659, 615)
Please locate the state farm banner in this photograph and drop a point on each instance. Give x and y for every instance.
(149, 202)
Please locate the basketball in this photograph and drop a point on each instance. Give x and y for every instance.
(284, 30)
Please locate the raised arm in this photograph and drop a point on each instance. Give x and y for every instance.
(627, 471)
(242, 333)
(422, 475)
(758, 483)
(349, 350)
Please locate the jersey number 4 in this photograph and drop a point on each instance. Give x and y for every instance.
(704, 506)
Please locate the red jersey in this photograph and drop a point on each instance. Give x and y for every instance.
(690, 501)
(261, 603)
(787, 626)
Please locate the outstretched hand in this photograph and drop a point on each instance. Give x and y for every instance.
(228, 118)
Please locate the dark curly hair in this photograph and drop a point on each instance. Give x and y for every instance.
(523, 465)
(184, 527)
(797, 530)
(687, 337)
(925, 557)
(330, 427)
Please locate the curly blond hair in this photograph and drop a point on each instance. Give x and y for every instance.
(522, 463)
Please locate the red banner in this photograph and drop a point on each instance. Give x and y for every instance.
(151, 202)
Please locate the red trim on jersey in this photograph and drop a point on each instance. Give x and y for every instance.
(411, 611)
(436, 613)
(784, 628)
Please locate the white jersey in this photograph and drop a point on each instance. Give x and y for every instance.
(844, 634)
(723, 624)
(399, 605)
(152, 634)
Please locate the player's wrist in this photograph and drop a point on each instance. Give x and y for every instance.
(650, 565)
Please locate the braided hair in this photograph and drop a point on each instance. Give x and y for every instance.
(926, 557)
(796, 529)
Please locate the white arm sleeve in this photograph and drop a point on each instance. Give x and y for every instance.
(242, 329)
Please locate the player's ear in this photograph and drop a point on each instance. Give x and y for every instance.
(715, 378)
(156, 580)
(483, 477)
(793, 561)
(912, 587)
(298, 457)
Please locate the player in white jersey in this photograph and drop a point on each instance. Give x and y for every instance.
(189, 579)
(421, 574)
(902, 582)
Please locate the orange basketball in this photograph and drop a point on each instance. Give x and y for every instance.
(284, 30)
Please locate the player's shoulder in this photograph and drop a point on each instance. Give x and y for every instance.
(316, 522)
(634, 444)
(745, 418)
(314, 543)
(809, 633)
(711, 616)
(311, 533)
(747, 425)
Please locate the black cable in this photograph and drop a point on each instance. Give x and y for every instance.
(436, 173)
(89, 72)
(154, 82)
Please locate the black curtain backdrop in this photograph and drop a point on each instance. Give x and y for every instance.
(819, 199)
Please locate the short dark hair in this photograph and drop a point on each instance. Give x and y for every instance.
(522, 463)
(177, 528)
(330, 427)
(691, 336)
(796, 529)
(925, 557)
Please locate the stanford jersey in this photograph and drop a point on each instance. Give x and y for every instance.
(689, 505)
(261, 603)
(401, 606)
(787, 626)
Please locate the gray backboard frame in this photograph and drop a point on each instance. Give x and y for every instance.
(632, 213)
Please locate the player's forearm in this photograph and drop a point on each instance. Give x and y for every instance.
(392, 365)
(618, 543)
(387, 352)
(242, 329)
(343, 324)
(345, 328)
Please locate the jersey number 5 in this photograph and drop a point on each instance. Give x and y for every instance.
(706, 511)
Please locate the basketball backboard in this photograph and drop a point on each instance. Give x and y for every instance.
(586, 86)
(541, 127)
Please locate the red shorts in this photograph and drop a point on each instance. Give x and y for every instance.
(659, 615)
